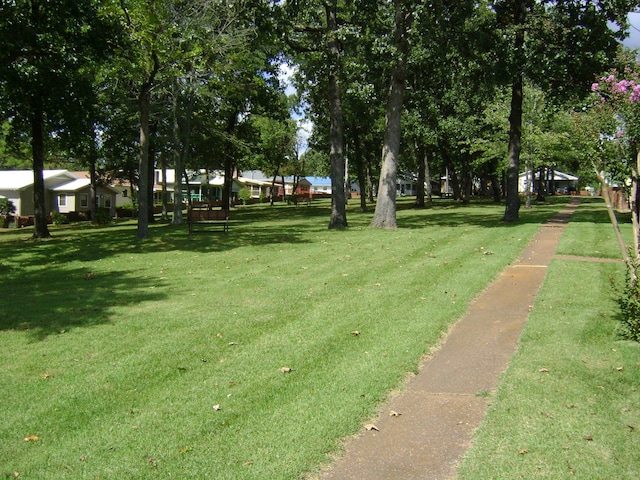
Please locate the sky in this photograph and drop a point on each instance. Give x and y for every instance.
(633, 41)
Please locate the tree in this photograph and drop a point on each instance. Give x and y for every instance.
(558, 46)
(385, 212)
(49, 48)
(315, 30)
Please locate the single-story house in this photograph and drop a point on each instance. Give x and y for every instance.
(560, 181)
(260, 184)
(17, 186)
(199, 188)
(64, 191)
(73, 197)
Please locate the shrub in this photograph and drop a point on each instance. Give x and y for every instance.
(245, 195)
(6, 207)
(629, 301)
(103, 216)
(58, 218)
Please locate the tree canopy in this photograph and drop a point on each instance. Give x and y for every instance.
(408, 88)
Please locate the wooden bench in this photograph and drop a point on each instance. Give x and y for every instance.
(215, 218)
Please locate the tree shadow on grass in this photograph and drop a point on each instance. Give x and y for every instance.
(55, 299)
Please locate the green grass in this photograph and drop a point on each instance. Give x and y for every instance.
(569, 404)
(163, 358)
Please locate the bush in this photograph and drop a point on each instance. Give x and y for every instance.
(103, 216)
(58, 218)
(7, 209)
(629, 301)
(245, 195)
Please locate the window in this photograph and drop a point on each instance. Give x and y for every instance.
(84, 200)
(125, 193)
(107, 201)
(62, 200)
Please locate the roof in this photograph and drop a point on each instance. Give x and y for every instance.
(557, 175)
(20, 179)
(73, 186)
(315, 181)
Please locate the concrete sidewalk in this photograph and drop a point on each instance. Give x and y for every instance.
(444, 404)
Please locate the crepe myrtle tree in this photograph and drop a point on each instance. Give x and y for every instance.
(619, 94)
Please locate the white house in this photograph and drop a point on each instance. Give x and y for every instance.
(17, 186)
(74, 197)
(561, 181)
(64, 192)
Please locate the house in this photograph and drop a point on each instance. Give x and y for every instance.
(261, 185)
(560, 181)
(319, 185)
(73, 197)
(64, 192)
(200, 187)
(17, 186)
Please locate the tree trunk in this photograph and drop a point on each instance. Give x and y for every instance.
(39, 196)
(422, 161)
(338, 218)
(93, 198)
(385, 213)
(512, 207)
(360, 166)
(513, 167)
(427, 179)
(144, 104)
(541, 183)
(143, 181)
(178, 149)
(165, 200)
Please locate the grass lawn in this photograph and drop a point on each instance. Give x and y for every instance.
(237, 357)
(569, 404)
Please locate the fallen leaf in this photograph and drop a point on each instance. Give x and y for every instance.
(544, 370)
(46, 375)
(217, 407)
(232, 343)
(285, 369)
(355, 333)
(31, 438)
(588, 438)
(524, 451)
(572, 405)
(393, 413)
(620, 369)
(370, 427)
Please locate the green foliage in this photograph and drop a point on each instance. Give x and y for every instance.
(59, 218)
(629, 301)
(245, 195)
(6, 207)
(103, 216)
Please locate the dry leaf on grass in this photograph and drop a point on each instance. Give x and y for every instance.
(285, 369)
(370, 427)
(31, 438)
(544, 370)
(393, 413)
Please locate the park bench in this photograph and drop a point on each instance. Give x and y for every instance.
(218, 219)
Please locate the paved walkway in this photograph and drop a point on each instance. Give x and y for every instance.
(443, 405)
